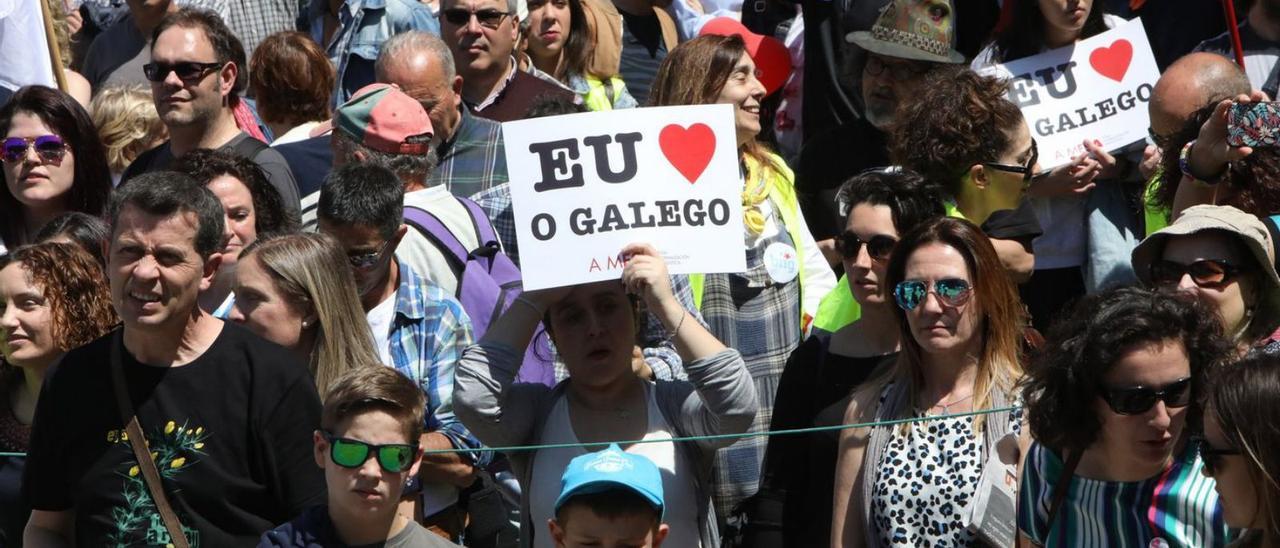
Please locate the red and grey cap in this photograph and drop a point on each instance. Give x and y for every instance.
(383, 118)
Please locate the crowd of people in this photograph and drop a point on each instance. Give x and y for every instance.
(259, 284)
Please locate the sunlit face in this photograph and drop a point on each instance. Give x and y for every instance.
(886, 82)
(156, 274)
(549, 27)
(1140, 446)
(583, 528)
(369, 490)
(936, 326)
(26, 320)
(365, 241)
(422, 77)
(1065, 15)
(594, 331)
(240, 220)
(1005, 188)
(264, 309)
(1232, 299)
(34, 181)
(744, 91)
(867, 222)
(1236, 491)
(478, 49)
(197, 101)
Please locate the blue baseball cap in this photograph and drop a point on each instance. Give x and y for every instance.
(609, 469)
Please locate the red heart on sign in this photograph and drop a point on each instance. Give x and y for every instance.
(688, 150)
(1113, 61)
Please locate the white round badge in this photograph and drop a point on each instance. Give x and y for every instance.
(782, 262)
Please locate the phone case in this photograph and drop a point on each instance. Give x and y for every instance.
(1254, 124)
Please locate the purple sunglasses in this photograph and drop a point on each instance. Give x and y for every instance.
(50, 148)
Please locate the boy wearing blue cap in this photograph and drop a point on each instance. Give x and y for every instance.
(609, 499)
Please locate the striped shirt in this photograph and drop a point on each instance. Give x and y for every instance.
(1178, 506)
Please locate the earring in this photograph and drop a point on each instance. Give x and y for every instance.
(305, 324)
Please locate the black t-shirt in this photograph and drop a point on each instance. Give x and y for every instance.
(231, 433)
(826, 162)
(643, 51)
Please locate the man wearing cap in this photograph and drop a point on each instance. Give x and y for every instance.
(629, 486)
(482, 36)
(417, 329)
(469, 148)
(908, 41)
(196, 77)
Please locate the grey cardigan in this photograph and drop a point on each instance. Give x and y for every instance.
(718, 398)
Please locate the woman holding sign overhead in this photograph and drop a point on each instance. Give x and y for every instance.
(594, 327)
(764, 311)
(1061, 199)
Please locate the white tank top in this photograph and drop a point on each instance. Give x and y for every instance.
(679, 495)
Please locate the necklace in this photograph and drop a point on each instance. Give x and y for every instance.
(946, 406)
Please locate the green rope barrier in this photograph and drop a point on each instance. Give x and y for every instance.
(875, 424)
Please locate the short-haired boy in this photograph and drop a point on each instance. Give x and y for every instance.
(609, 499)
(368, 447)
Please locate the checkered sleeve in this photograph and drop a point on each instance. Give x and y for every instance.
(449, 331)
(496, 203)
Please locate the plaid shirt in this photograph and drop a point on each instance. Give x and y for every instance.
(474, 160)
(658, 351)
(363, 26)
(254, 20)
(429, 331)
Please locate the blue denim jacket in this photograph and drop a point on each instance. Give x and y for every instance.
(364, 25)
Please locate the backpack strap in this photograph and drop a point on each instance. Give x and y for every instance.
(249, 148)
(435, 230)
(484, 228)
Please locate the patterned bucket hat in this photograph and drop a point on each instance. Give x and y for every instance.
(921, 30)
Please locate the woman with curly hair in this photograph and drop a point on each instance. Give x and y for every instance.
(127, 123)
(53, 163)
(764, 311)
(53, 297)
(1239, 447)
(960, 327)
(252, 207)
(1109, 398)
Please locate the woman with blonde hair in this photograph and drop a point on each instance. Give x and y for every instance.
(961, 326)
(127, 123)
(295, 291)
(762, 312)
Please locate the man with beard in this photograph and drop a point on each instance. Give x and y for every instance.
(196, 73)
(1260, 39)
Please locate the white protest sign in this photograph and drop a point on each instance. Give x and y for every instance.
(1095, 89)
(583, 186)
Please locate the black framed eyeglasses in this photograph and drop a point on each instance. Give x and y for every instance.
(951, 292)
(187, 71)
(50, 148)
(1136, 400)
(1207, 273)
(392, 457)
(898, 71)
(1027, 170)
(365, 261)
(1212, 456)
(490, 18)
(1160, 141)
(879, 247)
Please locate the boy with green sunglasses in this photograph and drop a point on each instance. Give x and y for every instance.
(367, 446)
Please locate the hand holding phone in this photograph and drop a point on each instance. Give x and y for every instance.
(1254, 124)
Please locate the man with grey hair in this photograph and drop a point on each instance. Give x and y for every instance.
(482, 35)
(469, 148)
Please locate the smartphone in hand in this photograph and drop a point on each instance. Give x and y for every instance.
(1254, 124)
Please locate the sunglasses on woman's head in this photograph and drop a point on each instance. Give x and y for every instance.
(878, 247)
(50, 148)
(1136, 400)
(1211, 273)
(950, 291)
(1211, 456)
(348, 453)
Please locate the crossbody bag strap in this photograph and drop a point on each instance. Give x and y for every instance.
(1060, 489)
(138, 442)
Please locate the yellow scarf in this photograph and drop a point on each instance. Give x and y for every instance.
(755, 191)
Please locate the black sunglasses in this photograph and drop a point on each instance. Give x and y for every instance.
(1211, 456)
(1210, 273)
(1136, 400)
(348, 453)
(879, 247)
(488, 17)
(1027, 170)
(188, 72)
